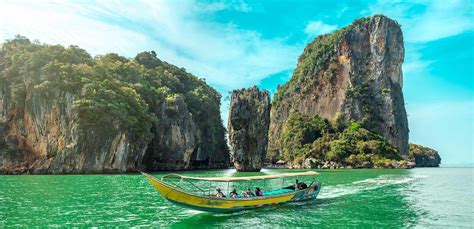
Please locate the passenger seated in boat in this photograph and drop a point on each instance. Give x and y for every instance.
(258, 192)
(248, 193)
(233, 194)
(303, 185)
(219, 193)
(300, 185)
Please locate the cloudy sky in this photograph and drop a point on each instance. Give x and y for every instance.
(239, 43)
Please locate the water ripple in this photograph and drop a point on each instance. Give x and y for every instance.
(348, 198)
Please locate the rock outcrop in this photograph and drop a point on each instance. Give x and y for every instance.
(44, 136)
(352, 74)
(249, 119)
(62, 111)
(424, 156)
(178, 143)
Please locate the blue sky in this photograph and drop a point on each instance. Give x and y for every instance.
(239, 43)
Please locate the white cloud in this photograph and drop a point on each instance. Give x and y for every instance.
(314, 28)
(236, 5)
(180, 31)
(442, 19)
(55, 24)
(425, 21)
(414, 62)
(342, 11)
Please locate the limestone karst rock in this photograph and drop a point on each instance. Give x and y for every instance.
(424, 156)
(249, 119)
(353, 73)
(63, 111)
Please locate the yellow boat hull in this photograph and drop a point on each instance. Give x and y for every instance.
(214, 204)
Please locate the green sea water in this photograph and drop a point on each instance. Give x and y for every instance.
(438, 197)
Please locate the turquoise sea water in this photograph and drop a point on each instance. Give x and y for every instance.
(437, 197)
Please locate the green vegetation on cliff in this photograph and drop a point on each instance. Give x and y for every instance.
(108, 90)
(342, 142)
(423, 156)
(318, 58)
(354, 77)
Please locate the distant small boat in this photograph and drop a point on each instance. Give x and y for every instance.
(215, 203)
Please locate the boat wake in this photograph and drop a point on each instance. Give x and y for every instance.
(329, 192)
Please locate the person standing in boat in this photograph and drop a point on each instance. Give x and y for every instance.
(258, 192)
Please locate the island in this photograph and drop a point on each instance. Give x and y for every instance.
(64, 111)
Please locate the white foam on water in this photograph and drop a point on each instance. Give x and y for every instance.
(385, 180)
(192, 212)
(335, 191)
(330, 192)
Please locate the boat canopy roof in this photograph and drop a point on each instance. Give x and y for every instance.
(232, 179)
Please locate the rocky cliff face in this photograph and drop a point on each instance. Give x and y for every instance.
(43, 135)
(178, 143)
(249, 119)
(354, 73)
(424, 156)
(62, 111)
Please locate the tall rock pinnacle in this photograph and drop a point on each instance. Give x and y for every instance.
(249, 118)
(354, 73)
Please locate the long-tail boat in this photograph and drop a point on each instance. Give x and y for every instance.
(170, 186)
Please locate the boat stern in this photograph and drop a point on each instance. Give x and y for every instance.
(310, 193)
